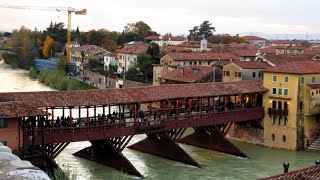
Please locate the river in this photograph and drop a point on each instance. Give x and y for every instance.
(262, 161)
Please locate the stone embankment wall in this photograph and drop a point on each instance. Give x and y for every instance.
(246, 134)
(12, 167)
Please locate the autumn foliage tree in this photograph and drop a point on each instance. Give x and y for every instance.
(47, 47)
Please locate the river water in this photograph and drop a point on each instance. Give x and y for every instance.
(262, 161)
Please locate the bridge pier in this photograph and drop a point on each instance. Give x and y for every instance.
(213, 138)
(109, 152)
(162, 144)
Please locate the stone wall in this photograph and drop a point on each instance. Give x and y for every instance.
(246, 134)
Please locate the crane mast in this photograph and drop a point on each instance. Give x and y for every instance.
(65, 9)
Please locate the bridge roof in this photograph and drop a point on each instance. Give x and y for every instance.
(18, 109)
(133, 95)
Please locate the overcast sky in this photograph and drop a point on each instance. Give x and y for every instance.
(175, 16)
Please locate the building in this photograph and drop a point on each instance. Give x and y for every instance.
(243, 70)
(110, 59)
(188, 74)
(159, 70)
(289, 50)
(73, 44)
(204, 58)
(292, 104)
(78, 53)
(128, 55)
(255, 40)
(163, 41)
(11, 114)
(284, 43)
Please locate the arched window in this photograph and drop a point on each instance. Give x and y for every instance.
(274, 104)
(279, 105)
(272, 137)
(279, 121)
(285, 105)
(284, 138)
(285, 121)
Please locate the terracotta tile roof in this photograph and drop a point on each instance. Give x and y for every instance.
(198, 56)
(312, 51)
(14, 109)
(286, 58)
(252, 64)
(137, 47)
(310, 173)
(245, 51)
(113, 54)
(314, 85)
(188, 74)
(83, 48)
(297, 67)
(221, 63)
(234, 44)
(175, 48)
(268, 50)
(194, 44)
(248, 38)
(133, 95)
(165, 38)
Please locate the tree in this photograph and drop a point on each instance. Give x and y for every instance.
(94, 37)
(47, 47)
(145, 66)
(140, 28)
(154, 52)
(204, 30)
(124, 38)
(225, 39)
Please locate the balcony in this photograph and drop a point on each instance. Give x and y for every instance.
(280, 112)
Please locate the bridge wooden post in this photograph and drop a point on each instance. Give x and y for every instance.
(208, 109)
(177, 110)
(79, 113)
(52, 117)
(225, 103)
(135, 114)
(119, 115)
(94, 111)
(162, 108)
(255, 100)
(88, 120)
(63, 112)
(201, 106)
(70, 120)
(104, 116)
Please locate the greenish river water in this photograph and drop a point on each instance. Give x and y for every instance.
(262, 161)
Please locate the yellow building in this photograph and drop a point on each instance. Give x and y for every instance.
(292, 104)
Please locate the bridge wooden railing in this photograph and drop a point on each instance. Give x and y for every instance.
(119, 129)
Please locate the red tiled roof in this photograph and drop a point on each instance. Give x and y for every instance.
(248, 38)
(268, 50)
(135, 47)
(297, 67)
(252, 65)
(175, 48)
(113, 54)
(184, 56)
(310, 173)
(248, 50)
(286, 58)
(165, 38)
(83, 48)
(234, 44)
(186, 74)
(133, 95)
(314, 85)
(15, 109)
(195, 44)
(221, 63)
(312, 51)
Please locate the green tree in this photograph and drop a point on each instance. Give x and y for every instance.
(124, 38)
(140, 28)
(145, 66)
(154, 52)
(204, 30)
(33, 73)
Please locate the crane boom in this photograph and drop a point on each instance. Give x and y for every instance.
(64, 9)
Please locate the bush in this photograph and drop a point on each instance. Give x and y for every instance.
(43, 75)
(32, 73)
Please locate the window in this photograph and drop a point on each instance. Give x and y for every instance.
(279, 121)
(190, 63)
(226, 73)
(272, 137)
(274, 120)
(274, 104)
(301, 80)
(274, 90)
(279, 105)
(285, 92)
(286, 79)
(195, 63)
(313, 80)
(208, 62)
(260, 74)
(253, 74)
(285, 121)
(3, 123)
(312, 93)
(284, 138)
(200, 63)
(3, 143)
(237, 74)
(280, 92)
(184, 63)
(285, 105)
(274, 78)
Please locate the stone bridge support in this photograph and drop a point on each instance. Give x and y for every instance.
(163, 144)
(213, 138)
(109, 152)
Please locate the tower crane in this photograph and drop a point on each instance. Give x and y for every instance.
(64, 9)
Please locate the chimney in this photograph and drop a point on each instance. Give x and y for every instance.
(286, 167)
